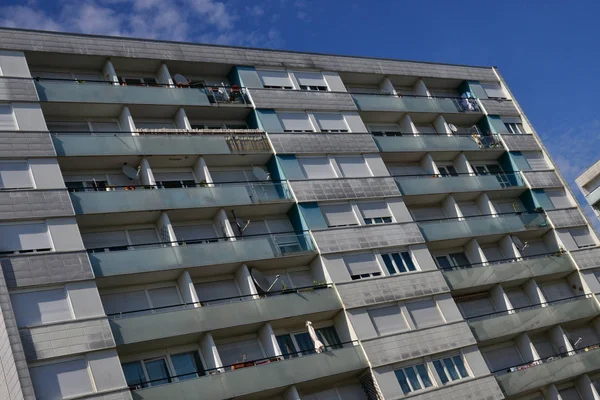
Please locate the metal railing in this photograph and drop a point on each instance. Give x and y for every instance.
(529, 307)
(531, 220)
(238, 365)
(463, 104)
(506, 179)
(218, 301)
(558, 253)
(539, 361)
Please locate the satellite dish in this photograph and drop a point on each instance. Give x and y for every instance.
(261, 281)
(130, 172)
(260, 173)
(453, 128)
(180, 79)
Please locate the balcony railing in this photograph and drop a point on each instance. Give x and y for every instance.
(457, 182)
(397, 102)
(237, 366)
(218, 301)
(529, 307)
(502, 262)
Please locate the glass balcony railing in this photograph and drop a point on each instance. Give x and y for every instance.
(467, 182)
(398, 142)
(398, 103)
(482, 225)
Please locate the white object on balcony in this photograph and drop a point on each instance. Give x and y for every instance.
(319, 347)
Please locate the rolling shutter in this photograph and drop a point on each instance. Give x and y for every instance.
(275, 78)
(7, 120)
(24, 237)
(353, 166)
(331, 122)
(359, 264)
(295, 122)
(15, 175)
(338, 215)
(316, 167)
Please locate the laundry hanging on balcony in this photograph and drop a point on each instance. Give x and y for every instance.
(319, 347)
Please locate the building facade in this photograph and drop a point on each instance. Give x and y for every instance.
(174, 215)
(588, 183)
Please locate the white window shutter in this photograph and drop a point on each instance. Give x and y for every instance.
(353, 166)
(476, 307)
(24, 237)
(424, 313)
(275, 78)
(502, 357)
(316, 167)
(295, 121)
(559, 198)
(557, 290)
(388, 320)
(164, 297)
(105, 126)
(310, 78)
(518, 298)
(493, 253)
(62, 379)
(331, 122)
(41, 307)
(194, 232)
(375, 209)
(95, 240)
(143, 236)
(7, 119)
(536, 160)
(15, 175)
(245, 350)
(215, 290)
(359, 264)
(338, 214)
(493, 90)
(125, 301)
(582, 237)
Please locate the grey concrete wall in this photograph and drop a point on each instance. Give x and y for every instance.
(26, 144)
(520, 142)
(499, 107)
(135, 48)
(43, 269)
(21, 204)
(302, 100)
(322, 143)
(67, 338)
(394, 288)
(17, 89)
(343, 189)
(367, 237)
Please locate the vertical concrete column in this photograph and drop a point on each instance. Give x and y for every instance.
(222, 221)
(126, 122)
(560, 340)
(441, 126)
(500, 299)
(186, 287)
(485, 205)
(421, 89)
(387, 86)
(551, 393)
(508, 247)
(201, 171)
(181, 120)
(269, 341)
(462, 165)
(586, 388)
(163, 76)
(533, 291)
(291, 394)
(526, 348)
(210, 352)
(451, 208)
(407, 126)
(245, 282)
(429, 165)
(474, 252)
(109, 73)
(165, 229)
(146, 175)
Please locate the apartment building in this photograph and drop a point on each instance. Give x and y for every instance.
(183, 221)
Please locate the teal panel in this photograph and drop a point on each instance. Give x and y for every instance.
(253, 121)
(297, 219)
(68, 92)
(495, 123)
(529, 201)
(290, 166)
(542, 199)
(313, 216)
(475, 88)
(269, 121)
(245, 76)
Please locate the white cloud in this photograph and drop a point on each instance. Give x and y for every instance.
(209, 21)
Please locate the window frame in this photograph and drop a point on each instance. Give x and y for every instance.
(413, 367)
(394, 262)
(448, 377)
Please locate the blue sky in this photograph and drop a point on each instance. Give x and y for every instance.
(547, 51)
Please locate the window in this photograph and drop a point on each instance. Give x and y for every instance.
(582, 237)
(196, 233)
(384, 130)
(569, 393)
(275, 79)
(15, 175)
(243, 350)
(66, 127)
(413, 378)
(329, 122)
(7, 120)
(311, 81)
(447, 170)
(503, 357)
(475, 305)
(41, 307)
(154, 124)
(187, 365)
(426, 129)
(353, 166)
(316, 167)
(161, 370)
(148, 299)
(388, 320)
(217, 292)
(299, 344)
(515, 128)
(295, 122)
(361, 266)
(468, 209)
(180, 179)
(452, 260)
(557, 290)
(99, 242)
(150, 80)
(518, 298)
(375, 213)
(450, 369)
(424, 313)
(24, 238)
(61, 379)
(558, 198)
(493, 253)
(397, 263)
(338, 215)
(493, 90)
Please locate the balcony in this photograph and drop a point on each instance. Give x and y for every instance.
(593, 197)
(191, 319)
(151, 198)
(104, 92)
(269, 374)
(411, 185)
(482, 225)
(201, 253)
(491, 273)
(506, 323)
(539, 373)
(180, 142)
(415, 104)
(436, 143)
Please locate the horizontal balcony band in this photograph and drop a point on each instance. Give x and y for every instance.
(507, 270)
(150, 198)
(481, 225)
(416, 104)
(302, 100)
(345, 188)
(273, 373)
(27, 203)
(195, 319)
(412, 185)
(542, 372)
(542, 179)
(520, 142)
(80, 91)
(317, 142)
(587, 258)
(503, 323)
(203, 252)
(432, 143)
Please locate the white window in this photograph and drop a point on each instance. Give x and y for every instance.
(503, 357)
(338, 215)
(216, 292)
(41, 307)
(413, 378)
(450, 369)
(15, 174)
(197, 233)
(236, 352)
(316, 167)
(424, 313)
(536, 160)
(275, 79)
(311, 81)
(329, 122)
(295, 122)
(362, 266)
(558, 198)
(388, 320)
(7, 120)
(375, 212)
(582, 237)
(493, 90)
(24, 238)
(398, 262)
(62, 379)
(353, 166)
